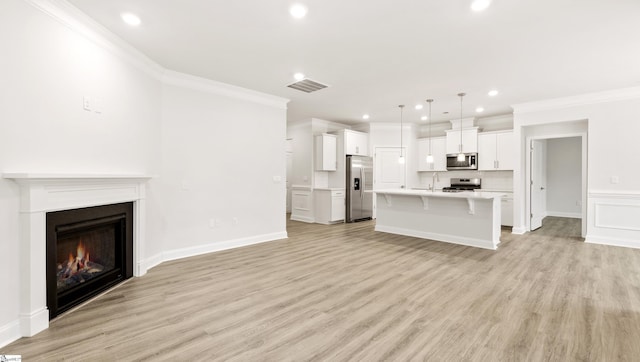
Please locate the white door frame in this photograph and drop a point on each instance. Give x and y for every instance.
(583, 137)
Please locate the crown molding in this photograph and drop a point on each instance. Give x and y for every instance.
(79, 22)
(178, 79)
(614, 95)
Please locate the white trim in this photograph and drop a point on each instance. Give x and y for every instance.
(578, 100)
(478, 243)
(210, 86)
(598, 210)
(626, 243)
(302, 218)
(219, 246)
(150, 262)
(9, 332)
(518, 230)
(572, 215)
(626, 195)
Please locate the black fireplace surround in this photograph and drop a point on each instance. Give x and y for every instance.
(88, 251)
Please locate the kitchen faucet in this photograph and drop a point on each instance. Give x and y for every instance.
(434, 178)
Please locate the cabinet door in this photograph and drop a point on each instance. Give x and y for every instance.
(504, 151)
(337, 205)
(487, 152)
(439, 151)
(325, 152)
(469, 141)
(506, 211)
(423, 151)
(356, 143)
(453, 142)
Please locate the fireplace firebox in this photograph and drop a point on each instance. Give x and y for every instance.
(88, 251)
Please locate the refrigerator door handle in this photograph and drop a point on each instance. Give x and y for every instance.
(364, 183)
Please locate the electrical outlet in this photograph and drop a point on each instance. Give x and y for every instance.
(235, 221)
(615, 179)
(212, 223)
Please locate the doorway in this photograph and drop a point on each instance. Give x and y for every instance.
(556, 179)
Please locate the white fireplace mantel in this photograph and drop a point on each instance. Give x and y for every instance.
(41, 193)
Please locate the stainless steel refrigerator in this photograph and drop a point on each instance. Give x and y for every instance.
(359, 186)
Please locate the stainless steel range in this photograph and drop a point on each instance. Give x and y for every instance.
(463, 184)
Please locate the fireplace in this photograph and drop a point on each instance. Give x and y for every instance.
(42, 194)
(88, 251)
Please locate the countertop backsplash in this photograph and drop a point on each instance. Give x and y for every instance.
(491, 180)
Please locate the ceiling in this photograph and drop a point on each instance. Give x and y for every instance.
(377, 54)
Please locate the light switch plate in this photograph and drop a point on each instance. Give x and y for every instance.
(86, 103)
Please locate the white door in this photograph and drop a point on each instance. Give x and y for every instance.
(289, 158)
(538, 183)
(388, 172)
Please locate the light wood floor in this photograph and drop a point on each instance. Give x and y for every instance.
(345, 292)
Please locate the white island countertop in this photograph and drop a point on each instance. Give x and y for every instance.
(456, 195)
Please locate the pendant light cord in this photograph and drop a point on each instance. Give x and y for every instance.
(461, 95)
(401, 109)
(430, 140)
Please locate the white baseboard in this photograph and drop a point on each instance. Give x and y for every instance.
(518, 230)
(149, 263)
(219, 246)
(302, 218)
(478, 243)
(572, 215)
(10, 332)
(627, 243)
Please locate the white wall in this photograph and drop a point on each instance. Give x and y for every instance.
(219, 159)
(46, 70)
(196, 143)
(564, 177)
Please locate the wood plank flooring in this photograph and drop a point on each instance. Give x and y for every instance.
(347, 293)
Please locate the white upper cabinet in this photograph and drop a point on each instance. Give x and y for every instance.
(495, 151)
(325, 152)
(469, 141)
(438, 150)
(356, 143)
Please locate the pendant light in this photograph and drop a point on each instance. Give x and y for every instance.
(401, 159)
(461, 156)
(430, 155)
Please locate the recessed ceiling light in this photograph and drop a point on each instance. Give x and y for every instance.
(493, 93)
(424, 118)
(365, 116)
(298, 76)
(479, 110)
(298, 11)
(418, 106)
(131, 19)
(479, 5)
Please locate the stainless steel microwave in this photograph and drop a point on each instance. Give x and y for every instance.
(470, 162)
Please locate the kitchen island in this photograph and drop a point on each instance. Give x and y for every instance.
(469, 218)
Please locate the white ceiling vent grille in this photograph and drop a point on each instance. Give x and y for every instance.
(307, 85)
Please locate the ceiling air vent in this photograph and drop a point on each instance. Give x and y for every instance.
(307, 85)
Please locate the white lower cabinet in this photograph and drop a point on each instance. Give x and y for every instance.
(506, 211)
(329, 205)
